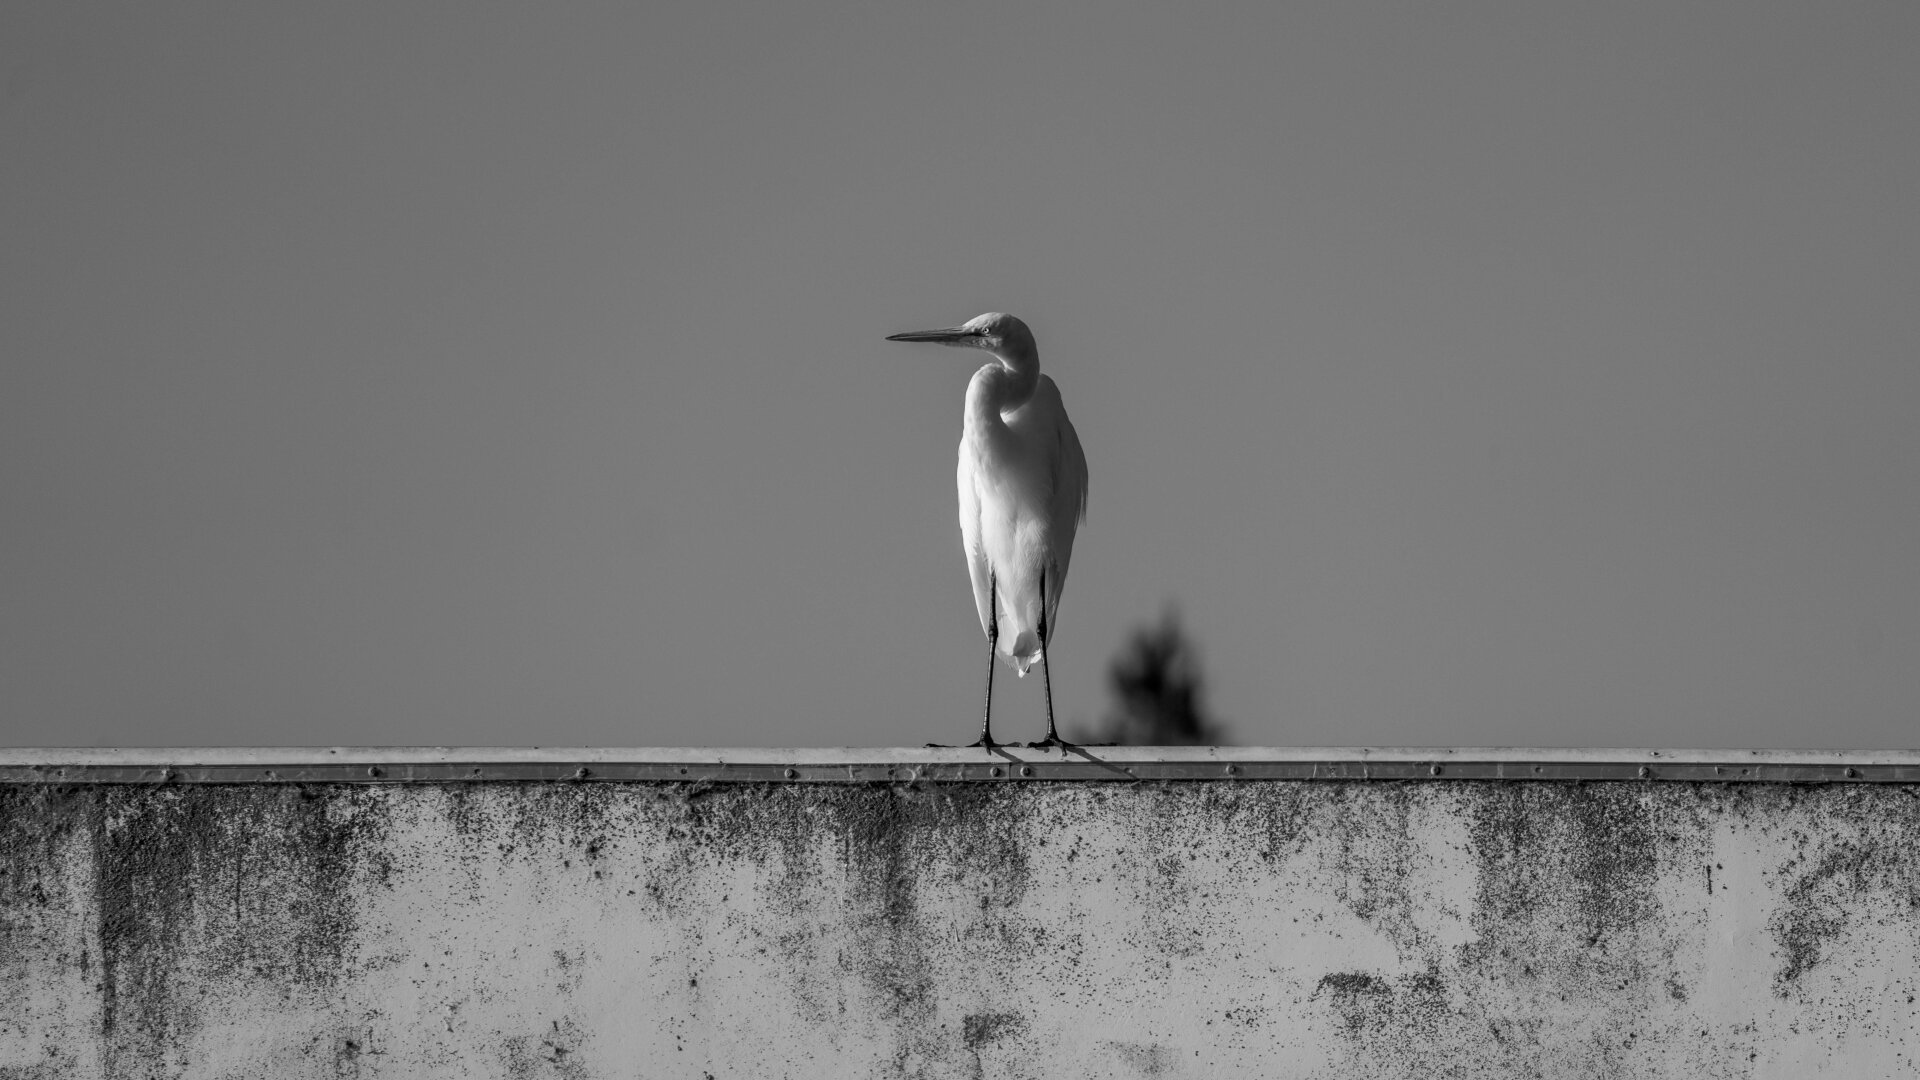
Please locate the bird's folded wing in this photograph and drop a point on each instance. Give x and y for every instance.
(976, 553)
(1068, 506)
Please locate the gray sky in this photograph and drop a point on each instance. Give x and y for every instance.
(1465, 373)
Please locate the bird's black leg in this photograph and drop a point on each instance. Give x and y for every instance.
(993, 641)
(1046, 675)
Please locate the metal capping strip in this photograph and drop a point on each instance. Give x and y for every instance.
(987, 770)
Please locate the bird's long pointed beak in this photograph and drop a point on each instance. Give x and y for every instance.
(951, 336)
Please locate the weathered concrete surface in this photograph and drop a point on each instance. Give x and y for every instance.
(1089, 929)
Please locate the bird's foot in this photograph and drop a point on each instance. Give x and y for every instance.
(1052, 739)
(985, 741)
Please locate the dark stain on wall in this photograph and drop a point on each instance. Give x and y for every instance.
(191, 890)
(42, 928)
(197, 888)
(898, 841)
(36, 823)
(1368, 857)
(1348, 984)
(1373, 1007)
(553, 1051)
(1564, 897)
(1590, 853)
(1837, 878)
(979, 1029)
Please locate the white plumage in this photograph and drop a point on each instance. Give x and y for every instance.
(1022, 482)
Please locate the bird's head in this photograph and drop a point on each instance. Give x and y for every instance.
(1000, 334)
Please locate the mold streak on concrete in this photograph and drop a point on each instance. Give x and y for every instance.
(1329, 929)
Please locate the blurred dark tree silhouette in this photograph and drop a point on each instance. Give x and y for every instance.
(1158, 692)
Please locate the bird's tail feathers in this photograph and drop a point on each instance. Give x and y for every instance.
(1024, 652)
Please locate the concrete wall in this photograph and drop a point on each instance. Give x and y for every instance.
(1042, 929)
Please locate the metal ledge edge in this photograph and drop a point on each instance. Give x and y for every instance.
(1008, 764)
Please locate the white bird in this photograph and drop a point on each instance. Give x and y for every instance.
(1023, 494)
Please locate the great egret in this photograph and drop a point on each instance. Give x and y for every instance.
(1023, 493)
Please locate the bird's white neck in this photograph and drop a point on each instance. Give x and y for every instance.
(1001, 387)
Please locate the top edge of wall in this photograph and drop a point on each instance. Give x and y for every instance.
(885, 765)
(845, 755)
